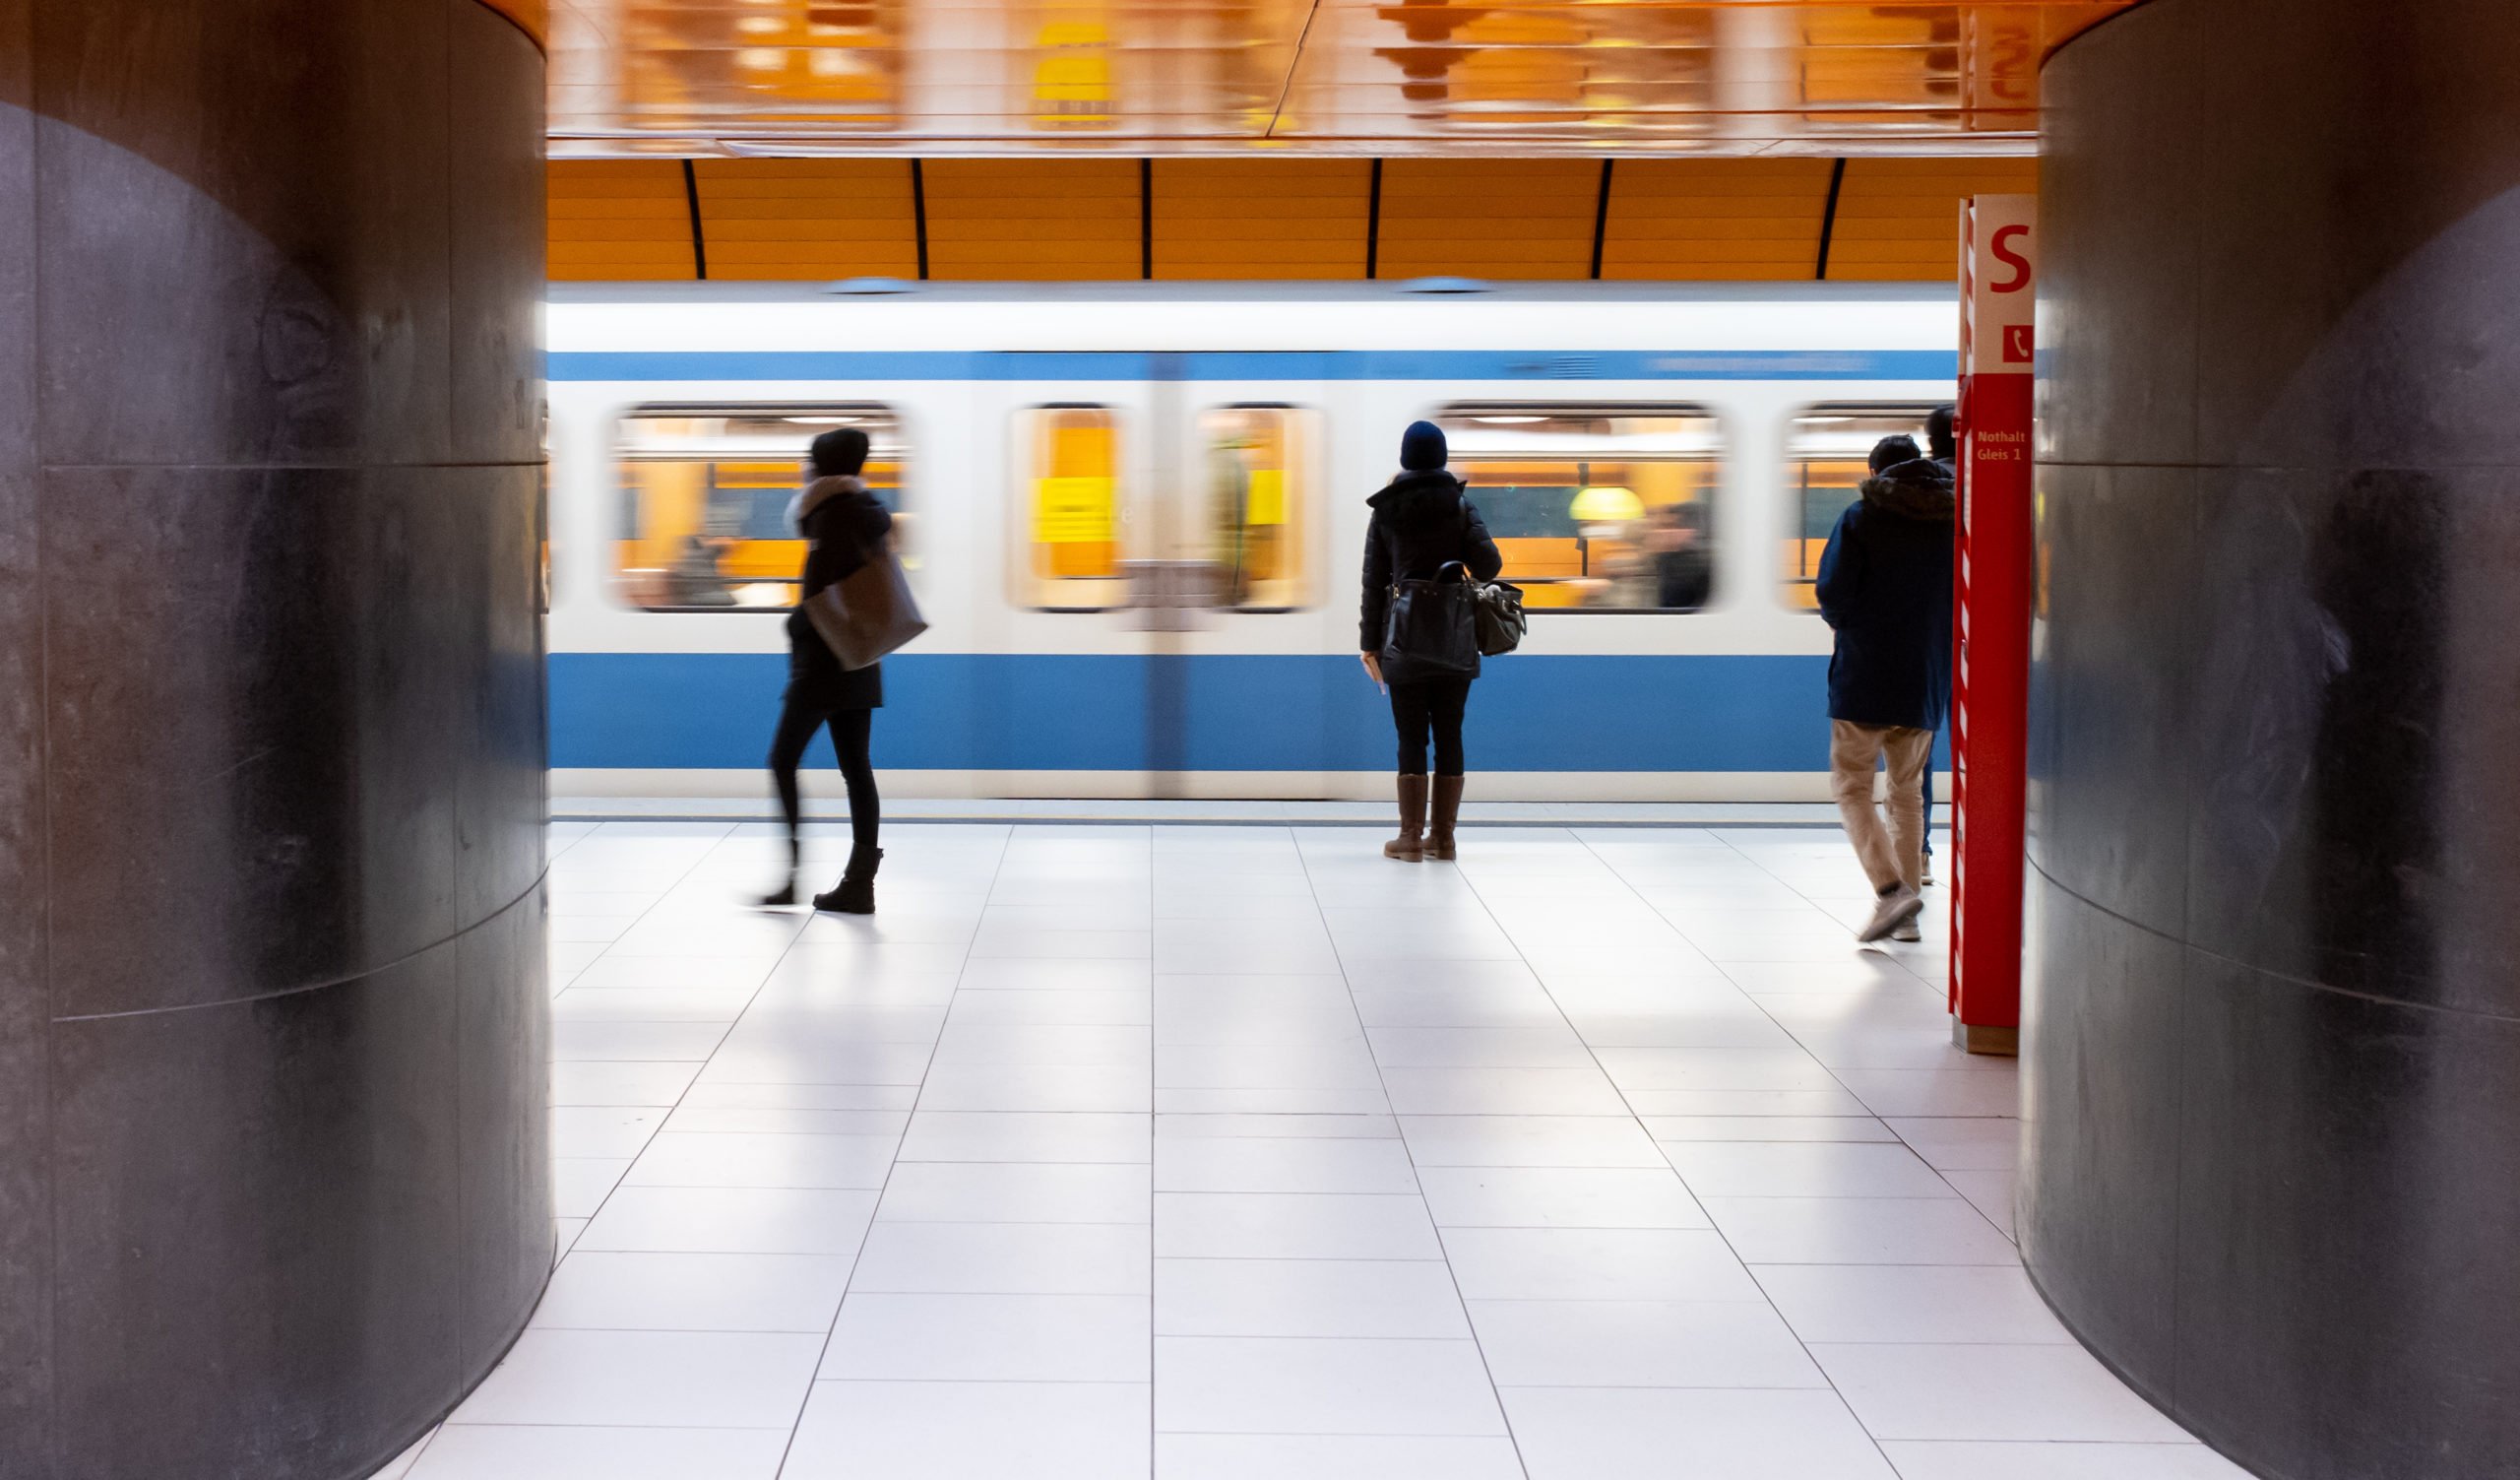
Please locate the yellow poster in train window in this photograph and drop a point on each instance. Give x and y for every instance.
(1267, 503)
(1074, 511)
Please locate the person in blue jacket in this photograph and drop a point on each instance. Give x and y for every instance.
(1885, 590)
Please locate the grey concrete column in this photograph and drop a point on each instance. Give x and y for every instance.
(272, 1022)
(2272, 1052)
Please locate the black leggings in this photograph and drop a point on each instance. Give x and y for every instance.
(1435, 704)
(850, 731)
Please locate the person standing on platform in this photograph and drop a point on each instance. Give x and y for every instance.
(1943, 448)
(1422, 522)
(1885, 590)
(841, 524)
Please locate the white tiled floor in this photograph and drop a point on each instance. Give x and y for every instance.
(1239, 1152)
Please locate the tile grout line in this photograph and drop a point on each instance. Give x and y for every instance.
(1729, 1247)
(1452, 1275)
(560, 1256)
(2009, 1236)
(829, 1333)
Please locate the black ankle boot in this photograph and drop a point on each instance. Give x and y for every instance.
(785, 894)
(855, 892)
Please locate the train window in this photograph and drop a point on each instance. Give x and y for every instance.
(1596, 508)
(1070, 510)
(1827, 448)
(706, 493)
(1258, 493)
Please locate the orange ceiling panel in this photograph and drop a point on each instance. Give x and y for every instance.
(1380, 78)
(1506, 218)
(1714, 220)
(1035, 219)
(620, 221)
(1900, 218)
(787, 220)
(1250, 219)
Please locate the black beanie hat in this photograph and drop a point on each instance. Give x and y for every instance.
(1421, 447)
(840, 453)
(1890, 452)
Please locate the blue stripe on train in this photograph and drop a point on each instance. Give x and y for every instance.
(1057, 712)
(1377, 364)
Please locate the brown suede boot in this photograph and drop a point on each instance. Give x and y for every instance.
(1440, 834)
(1410, 845)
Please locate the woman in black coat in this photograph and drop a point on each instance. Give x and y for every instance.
(841, 524)
(1422, 522)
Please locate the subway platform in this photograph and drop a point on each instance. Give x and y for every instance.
(1239, 1151)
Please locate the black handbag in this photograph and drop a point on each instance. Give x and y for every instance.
(1498, 610)
(1430, 628)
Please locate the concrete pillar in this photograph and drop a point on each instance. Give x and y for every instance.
(273, 1021)
(2272, 1051)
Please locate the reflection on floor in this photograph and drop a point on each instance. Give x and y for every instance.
(1242, 1152)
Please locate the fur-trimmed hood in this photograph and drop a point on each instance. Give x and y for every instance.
(1921, 490)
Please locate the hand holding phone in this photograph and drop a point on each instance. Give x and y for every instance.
(1373, 670)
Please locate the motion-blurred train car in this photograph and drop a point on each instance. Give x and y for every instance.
(1135, 515)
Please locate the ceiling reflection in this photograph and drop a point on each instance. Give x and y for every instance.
(1380, 76)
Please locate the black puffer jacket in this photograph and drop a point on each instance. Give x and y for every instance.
(1422, 521)
(1885, 586)
(841, 522)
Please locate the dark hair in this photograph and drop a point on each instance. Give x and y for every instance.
(840, 453)
(1938, 431)
(1890, 452)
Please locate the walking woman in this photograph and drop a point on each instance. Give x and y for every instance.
(842, 523)
(1422, 522)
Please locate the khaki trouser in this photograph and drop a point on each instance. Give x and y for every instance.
(1898, 855)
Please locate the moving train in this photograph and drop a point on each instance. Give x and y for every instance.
(1134, 513)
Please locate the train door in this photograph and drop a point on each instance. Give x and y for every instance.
(1169, 556)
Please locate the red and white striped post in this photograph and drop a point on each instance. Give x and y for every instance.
(1991, 601)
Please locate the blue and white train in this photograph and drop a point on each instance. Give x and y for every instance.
(1134, 513)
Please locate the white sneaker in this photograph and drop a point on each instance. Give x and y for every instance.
(1906, 930)
(1895, 909)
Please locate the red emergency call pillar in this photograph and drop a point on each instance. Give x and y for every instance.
(1990, 618)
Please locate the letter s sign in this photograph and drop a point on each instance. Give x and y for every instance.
(2001, 247)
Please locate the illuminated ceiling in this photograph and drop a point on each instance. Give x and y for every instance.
(1307, 77)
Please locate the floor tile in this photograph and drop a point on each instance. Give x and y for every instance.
(1502, 1091)
(1559, 1198)
(731, 1220)
(1293, 1226)
(1037, 1087)
(1017, 1192)
(702, 1380)
(1767, 1127)
(1307, 1297)
(1930, 1461)
(1005, 1259)
(1282, 1163)
(1529, 1141)
(597, 1082)
(1702, 1434)
(1991, 1393)
(998, 1136)
(1232, 1385)
(973, 1431)
(514, 1452)
(1976, 1144)
(1343, 1457)
(676, 1159)
(1841, 1303)
(1634, 1343)
(1935, 1092)
(1596, 1263)
(579, 1183)
(694, 1292)
(1859, 1231)
(1812, 1169)
(991, 1338)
